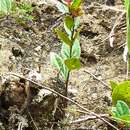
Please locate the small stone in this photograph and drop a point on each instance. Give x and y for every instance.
(34, 75)
(38, 48)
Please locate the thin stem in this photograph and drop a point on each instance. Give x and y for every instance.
(67, 80)
(66, 84)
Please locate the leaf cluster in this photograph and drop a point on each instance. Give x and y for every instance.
(73, 8)
(120, 91)
(121, 102)
(68, 59)
(121, 113)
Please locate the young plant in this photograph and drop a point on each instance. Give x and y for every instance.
(69, 57)
(121, 102)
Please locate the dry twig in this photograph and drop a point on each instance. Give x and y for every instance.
(86, 118)
(96, 78)
(36, 128)
(111, 35)
(72, 101)
(112, 8)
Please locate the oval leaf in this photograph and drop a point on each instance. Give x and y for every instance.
(121, 92)
(122, 108)
(57, 62)
(76, 4)
(65, 51)
(77, 22)
(67, 30)
(62, 8)
(76, 49)
(72, 63)
(113, 84)
(69, 22)
(115, 113)
(64, 37)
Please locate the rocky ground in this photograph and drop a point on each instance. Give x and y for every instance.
(34, 41)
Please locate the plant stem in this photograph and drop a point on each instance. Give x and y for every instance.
(67, 80)
(66, 84)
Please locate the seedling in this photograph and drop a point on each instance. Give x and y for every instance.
(121, 102)
(69, 57)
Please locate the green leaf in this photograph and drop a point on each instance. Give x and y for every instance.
(114, 112)
(122, 108)
(76, 25)
(69, 22)
(5, 6)
(76, 36)
(72, 63)
(57, 62)
(77, 22)
(113, 84)
(76, 50)
(64, 37)
(65, 51)
(62, 8)
(76, 4)
(121, 113)
(64, 72)
(123, 119)
(126, 118)
(67, 30)
(121, 92)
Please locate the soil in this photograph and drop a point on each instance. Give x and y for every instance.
(25, 47)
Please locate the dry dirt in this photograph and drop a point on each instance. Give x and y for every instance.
(35, 39)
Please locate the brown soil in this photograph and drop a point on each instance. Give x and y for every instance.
(35, 40)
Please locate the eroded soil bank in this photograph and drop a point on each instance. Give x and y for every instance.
(33, 42)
